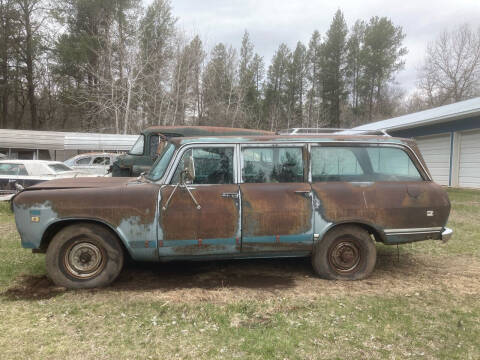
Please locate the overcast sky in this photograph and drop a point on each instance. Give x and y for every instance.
(271, 22)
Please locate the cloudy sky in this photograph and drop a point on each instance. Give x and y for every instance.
(271, 22)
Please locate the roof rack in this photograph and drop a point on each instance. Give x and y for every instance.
(336, 131)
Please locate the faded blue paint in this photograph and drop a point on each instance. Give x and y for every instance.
(320, 224)
(271, 239)
(137, 235)
(31, 232)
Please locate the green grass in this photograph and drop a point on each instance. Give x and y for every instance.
(14, 260)
(393, 315)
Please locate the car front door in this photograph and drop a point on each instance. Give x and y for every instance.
(201, 217)
(276, 200)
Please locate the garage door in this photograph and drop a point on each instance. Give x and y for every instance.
(469, 165)
(436, 152)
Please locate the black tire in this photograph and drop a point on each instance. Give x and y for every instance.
(84, 255)
(347, 252)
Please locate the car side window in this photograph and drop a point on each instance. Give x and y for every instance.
(334, 164)
(272, 164)
(213, 165)
(393, 162)
(13, 169)
(362, 163)
(101, 160)
(83, 161)
(153, 145)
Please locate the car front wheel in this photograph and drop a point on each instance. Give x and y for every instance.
(84, 255)
(346, 252)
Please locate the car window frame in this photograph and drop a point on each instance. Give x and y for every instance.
(302, 145)
(424, 174)
(180, 152)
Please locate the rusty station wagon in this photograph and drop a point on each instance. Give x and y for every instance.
(328, 196)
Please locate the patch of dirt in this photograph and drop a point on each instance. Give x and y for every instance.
(235, 280)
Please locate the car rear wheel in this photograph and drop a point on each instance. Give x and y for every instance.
(346, 252)
(84, 255)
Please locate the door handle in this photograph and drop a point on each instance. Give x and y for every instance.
(230, 195)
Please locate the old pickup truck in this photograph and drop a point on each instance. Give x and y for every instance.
(152, 140)
(327, 196)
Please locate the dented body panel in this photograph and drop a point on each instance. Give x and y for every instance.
(239, 219)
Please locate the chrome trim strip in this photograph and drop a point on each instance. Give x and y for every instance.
(412, 231)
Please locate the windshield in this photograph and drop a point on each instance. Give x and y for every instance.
(137, 148)
(160, 166)
(59, 168)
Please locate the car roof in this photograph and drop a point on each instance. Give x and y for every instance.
(374, 139)
(95, 154)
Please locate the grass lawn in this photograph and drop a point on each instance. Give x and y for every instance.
(422, 301)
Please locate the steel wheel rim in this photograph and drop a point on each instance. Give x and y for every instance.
(84, 260)
(344, 256)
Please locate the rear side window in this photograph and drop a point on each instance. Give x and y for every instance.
(101, 160)
(362, 164)
(83, 161)
(272, 165)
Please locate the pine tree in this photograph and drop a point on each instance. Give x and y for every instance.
(333, 66)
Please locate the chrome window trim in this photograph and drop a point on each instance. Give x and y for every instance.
(423, 173)
(178, 155)
(238, 145)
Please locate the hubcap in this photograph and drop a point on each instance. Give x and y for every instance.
(84, 260)
(344, 256)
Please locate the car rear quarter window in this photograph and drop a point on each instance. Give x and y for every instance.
(362, 163)
(83, 161)
(272, 165)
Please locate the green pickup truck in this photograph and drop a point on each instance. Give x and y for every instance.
(151, 141)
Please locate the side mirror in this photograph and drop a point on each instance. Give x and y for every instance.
(188, 173)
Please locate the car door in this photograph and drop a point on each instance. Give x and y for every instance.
(276, 201)
(100, 164)
(203, 216)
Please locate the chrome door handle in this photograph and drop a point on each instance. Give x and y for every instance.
(231, 195)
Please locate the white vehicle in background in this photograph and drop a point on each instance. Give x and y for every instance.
(17, 174)
(92, 163)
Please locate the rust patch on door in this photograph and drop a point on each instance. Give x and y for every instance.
(217, 218)
(276, 209)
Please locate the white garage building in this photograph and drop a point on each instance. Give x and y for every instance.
(448, 137)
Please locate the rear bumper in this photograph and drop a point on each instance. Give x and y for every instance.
(446, 234)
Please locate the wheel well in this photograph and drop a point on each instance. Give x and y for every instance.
(56, 227)
(371, 229)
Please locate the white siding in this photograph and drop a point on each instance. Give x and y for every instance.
(469, 159)
(436, 152)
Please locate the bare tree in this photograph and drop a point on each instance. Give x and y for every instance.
(451, 71)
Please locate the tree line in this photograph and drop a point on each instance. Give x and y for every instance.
(118, 66)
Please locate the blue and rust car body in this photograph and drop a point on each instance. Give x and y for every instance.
(239, 219)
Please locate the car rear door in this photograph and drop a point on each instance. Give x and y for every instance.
(276, 199)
